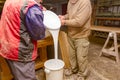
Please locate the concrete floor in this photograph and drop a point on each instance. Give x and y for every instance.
(101, 68)
(104, 67)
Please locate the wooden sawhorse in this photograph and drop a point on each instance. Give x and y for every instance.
(113, 50)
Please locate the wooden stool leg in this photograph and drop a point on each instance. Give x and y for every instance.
(106, 42)
(116, 47)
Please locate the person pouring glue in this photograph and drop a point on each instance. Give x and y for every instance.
(21, 25)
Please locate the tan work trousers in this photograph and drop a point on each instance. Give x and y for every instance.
(78, 52)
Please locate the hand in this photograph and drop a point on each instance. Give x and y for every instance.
(62, 22)
(61, 17)
(44, 9)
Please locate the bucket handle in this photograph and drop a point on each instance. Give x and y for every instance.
(47, 71)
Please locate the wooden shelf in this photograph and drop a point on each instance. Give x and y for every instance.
(108, 8)
(108, 18)
(104, 14)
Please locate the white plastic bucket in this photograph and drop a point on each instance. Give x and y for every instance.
(54, 69)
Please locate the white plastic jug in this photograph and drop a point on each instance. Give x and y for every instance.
(54, 69)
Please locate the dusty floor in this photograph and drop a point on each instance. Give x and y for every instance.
(101, 68)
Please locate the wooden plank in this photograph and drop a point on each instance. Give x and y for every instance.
(2, 2)
(113, 48)
(5, 73)
(108, 18)
(42, 51)
(39, 64)
(110, 52)
(64, 48)
(105, 29)
(45, 42)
